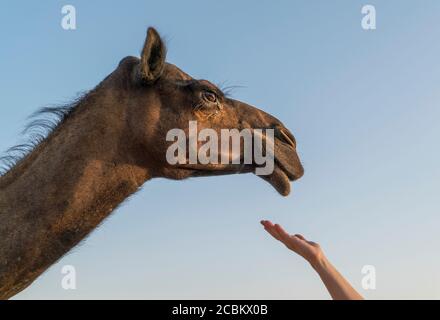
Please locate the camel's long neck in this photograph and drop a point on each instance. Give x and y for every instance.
(59, 193)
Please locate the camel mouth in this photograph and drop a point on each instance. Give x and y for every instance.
(285, 164)
(287, 168)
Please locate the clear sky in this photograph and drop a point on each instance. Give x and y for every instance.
(363, 105)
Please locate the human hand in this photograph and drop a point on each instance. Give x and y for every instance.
(309, 250)
(338, 287)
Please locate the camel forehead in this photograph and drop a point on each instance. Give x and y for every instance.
(172, 72)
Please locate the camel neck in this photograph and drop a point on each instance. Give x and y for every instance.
(57, 195)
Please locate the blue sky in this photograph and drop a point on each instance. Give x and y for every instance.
(363, 105)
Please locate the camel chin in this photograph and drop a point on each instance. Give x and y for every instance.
(279, 180)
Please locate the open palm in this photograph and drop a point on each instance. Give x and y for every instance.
(309, 250)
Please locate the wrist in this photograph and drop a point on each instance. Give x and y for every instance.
(319, 262)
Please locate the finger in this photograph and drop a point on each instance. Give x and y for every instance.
(312, 243)
(269, 227)
(283, 234)
(265, 222)
(281, 231)
(292, 242)
(300, 236)
(273, 232)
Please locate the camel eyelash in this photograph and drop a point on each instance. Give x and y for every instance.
(199, 106)
(203, 108)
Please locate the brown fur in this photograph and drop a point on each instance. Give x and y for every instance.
(104, 150)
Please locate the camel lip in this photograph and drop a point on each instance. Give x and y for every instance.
(286, 158)
(279, 181)
(205, 170)
(279, 178)
(290, 175)
(286, 167)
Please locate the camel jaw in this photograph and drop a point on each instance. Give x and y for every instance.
(279, 180)
(287, 167)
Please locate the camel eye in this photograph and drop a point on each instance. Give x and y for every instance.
(209, 96)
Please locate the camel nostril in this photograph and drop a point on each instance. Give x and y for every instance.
(286, 137)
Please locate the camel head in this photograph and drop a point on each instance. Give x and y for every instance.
(101, 148)
(161, 98)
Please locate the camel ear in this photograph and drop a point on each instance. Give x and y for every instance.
(153, 57)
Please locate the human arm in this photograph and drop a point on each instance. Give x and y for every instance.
(338, 287)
